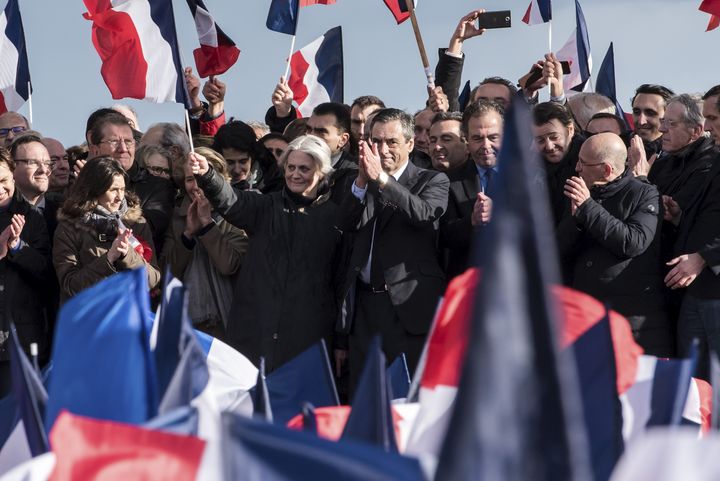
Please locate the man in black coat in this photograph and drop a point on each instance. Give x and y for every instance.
(612, 240)
(395, 279)
(696, 266)
(470, 199)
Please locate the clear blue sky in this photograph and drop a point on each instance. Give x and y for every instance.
(660, 41)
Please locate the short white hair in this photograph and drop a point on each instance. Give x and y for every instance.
(315, 147)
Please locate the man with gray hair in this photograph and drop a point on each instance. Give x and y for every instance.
(611, 242)
(585, 105)
(687, 154)
(175, 140)
(394, 278)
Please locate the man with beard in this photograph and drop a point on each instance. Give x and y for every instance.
(648, 107)
(471, 184)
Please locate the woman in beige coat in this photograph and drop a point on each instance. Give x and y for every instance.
(101, 230)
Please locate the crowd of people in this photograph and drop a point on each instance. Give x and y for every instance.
(350, 223)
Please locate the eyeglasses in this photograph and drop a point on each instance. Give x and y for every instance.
(584, 164)
(158, 170)
(36, 164)
(670, 123)
(115, 143)
(14, 130)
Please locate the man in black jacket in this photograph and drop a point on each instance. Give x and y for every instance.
(697, 262)
(470, 201)
(612, 240)
(557, 141)
(394, 276)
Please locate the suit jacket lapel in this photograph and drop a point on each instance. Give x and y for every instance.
(471, 180)
(408, 179)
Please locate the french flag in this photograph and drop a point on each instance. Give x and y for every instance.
(539, 11)
(316, 72)
(399, 9)
(713, 8)
(137, 43)
(577, 51)
(14, 72)
(217, 53)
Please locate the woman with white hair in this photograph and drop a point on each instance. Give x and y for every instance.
(286, 297)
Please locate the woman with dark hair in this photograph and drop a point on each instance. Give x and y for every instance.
(286, 297)
(250, 163)
(101, 230)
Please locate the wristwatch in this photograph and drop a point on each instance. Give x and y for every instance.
(383, 178)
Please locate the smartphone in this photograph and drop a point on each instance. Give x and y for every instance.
(499, 19)
(537, 72)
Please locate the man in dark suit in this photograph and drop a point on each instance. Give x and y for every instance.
(470, 202)
(395, 208)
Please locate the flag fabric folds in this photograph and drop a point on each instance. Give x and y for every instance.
(605, 83)
(713, 8)
(371, 417)
(30, 396)
(101, 335)
(399, 378)
(317, 72)
(92, 449)
(307, 378)
(539, 11)
(15, 85)
(217, 52)
(282, 16)
(254, 450)
(595, 364)
(577, 51)
(137, 44)
(514, 385)
(399, 9)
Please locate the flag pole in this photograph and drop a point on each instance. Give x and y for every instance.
(30, 110)
(550, 50)
(421, 45)
(187, 113)
(287, 65)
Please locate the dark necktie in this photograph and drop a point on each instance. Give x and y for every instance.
(489, 176)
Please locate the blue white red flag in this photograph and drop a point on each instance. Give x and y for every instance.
(399, 9)
(576, 51)
(217, 52)
(283, 16)
(539, 11)
(137, 44)
(605, 83)
(15, 86)
(317, 72)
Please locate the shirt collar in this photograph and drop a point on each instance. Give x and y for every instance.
(400, 171)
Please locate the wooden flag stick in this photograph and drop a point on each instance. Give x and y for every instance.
(292, 49)
(420, 44)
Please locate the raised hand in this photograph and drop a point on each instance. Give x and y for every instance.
(552, 73)
(197, 164)
(17, 223)
(577, 191)
(369, 161)
(282, 98)
(465, 29)
(193, 86)
(437, 100)
(120, 246)
(482, 210)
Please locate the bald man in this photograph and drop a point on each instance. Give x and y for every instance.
(610, 244)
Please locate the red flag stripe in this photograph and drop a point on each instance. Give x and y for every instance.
(710, 6)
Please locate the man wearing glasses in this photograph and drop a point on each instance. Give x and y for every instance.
(110, 134)
(611, 242)
(12, 124)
